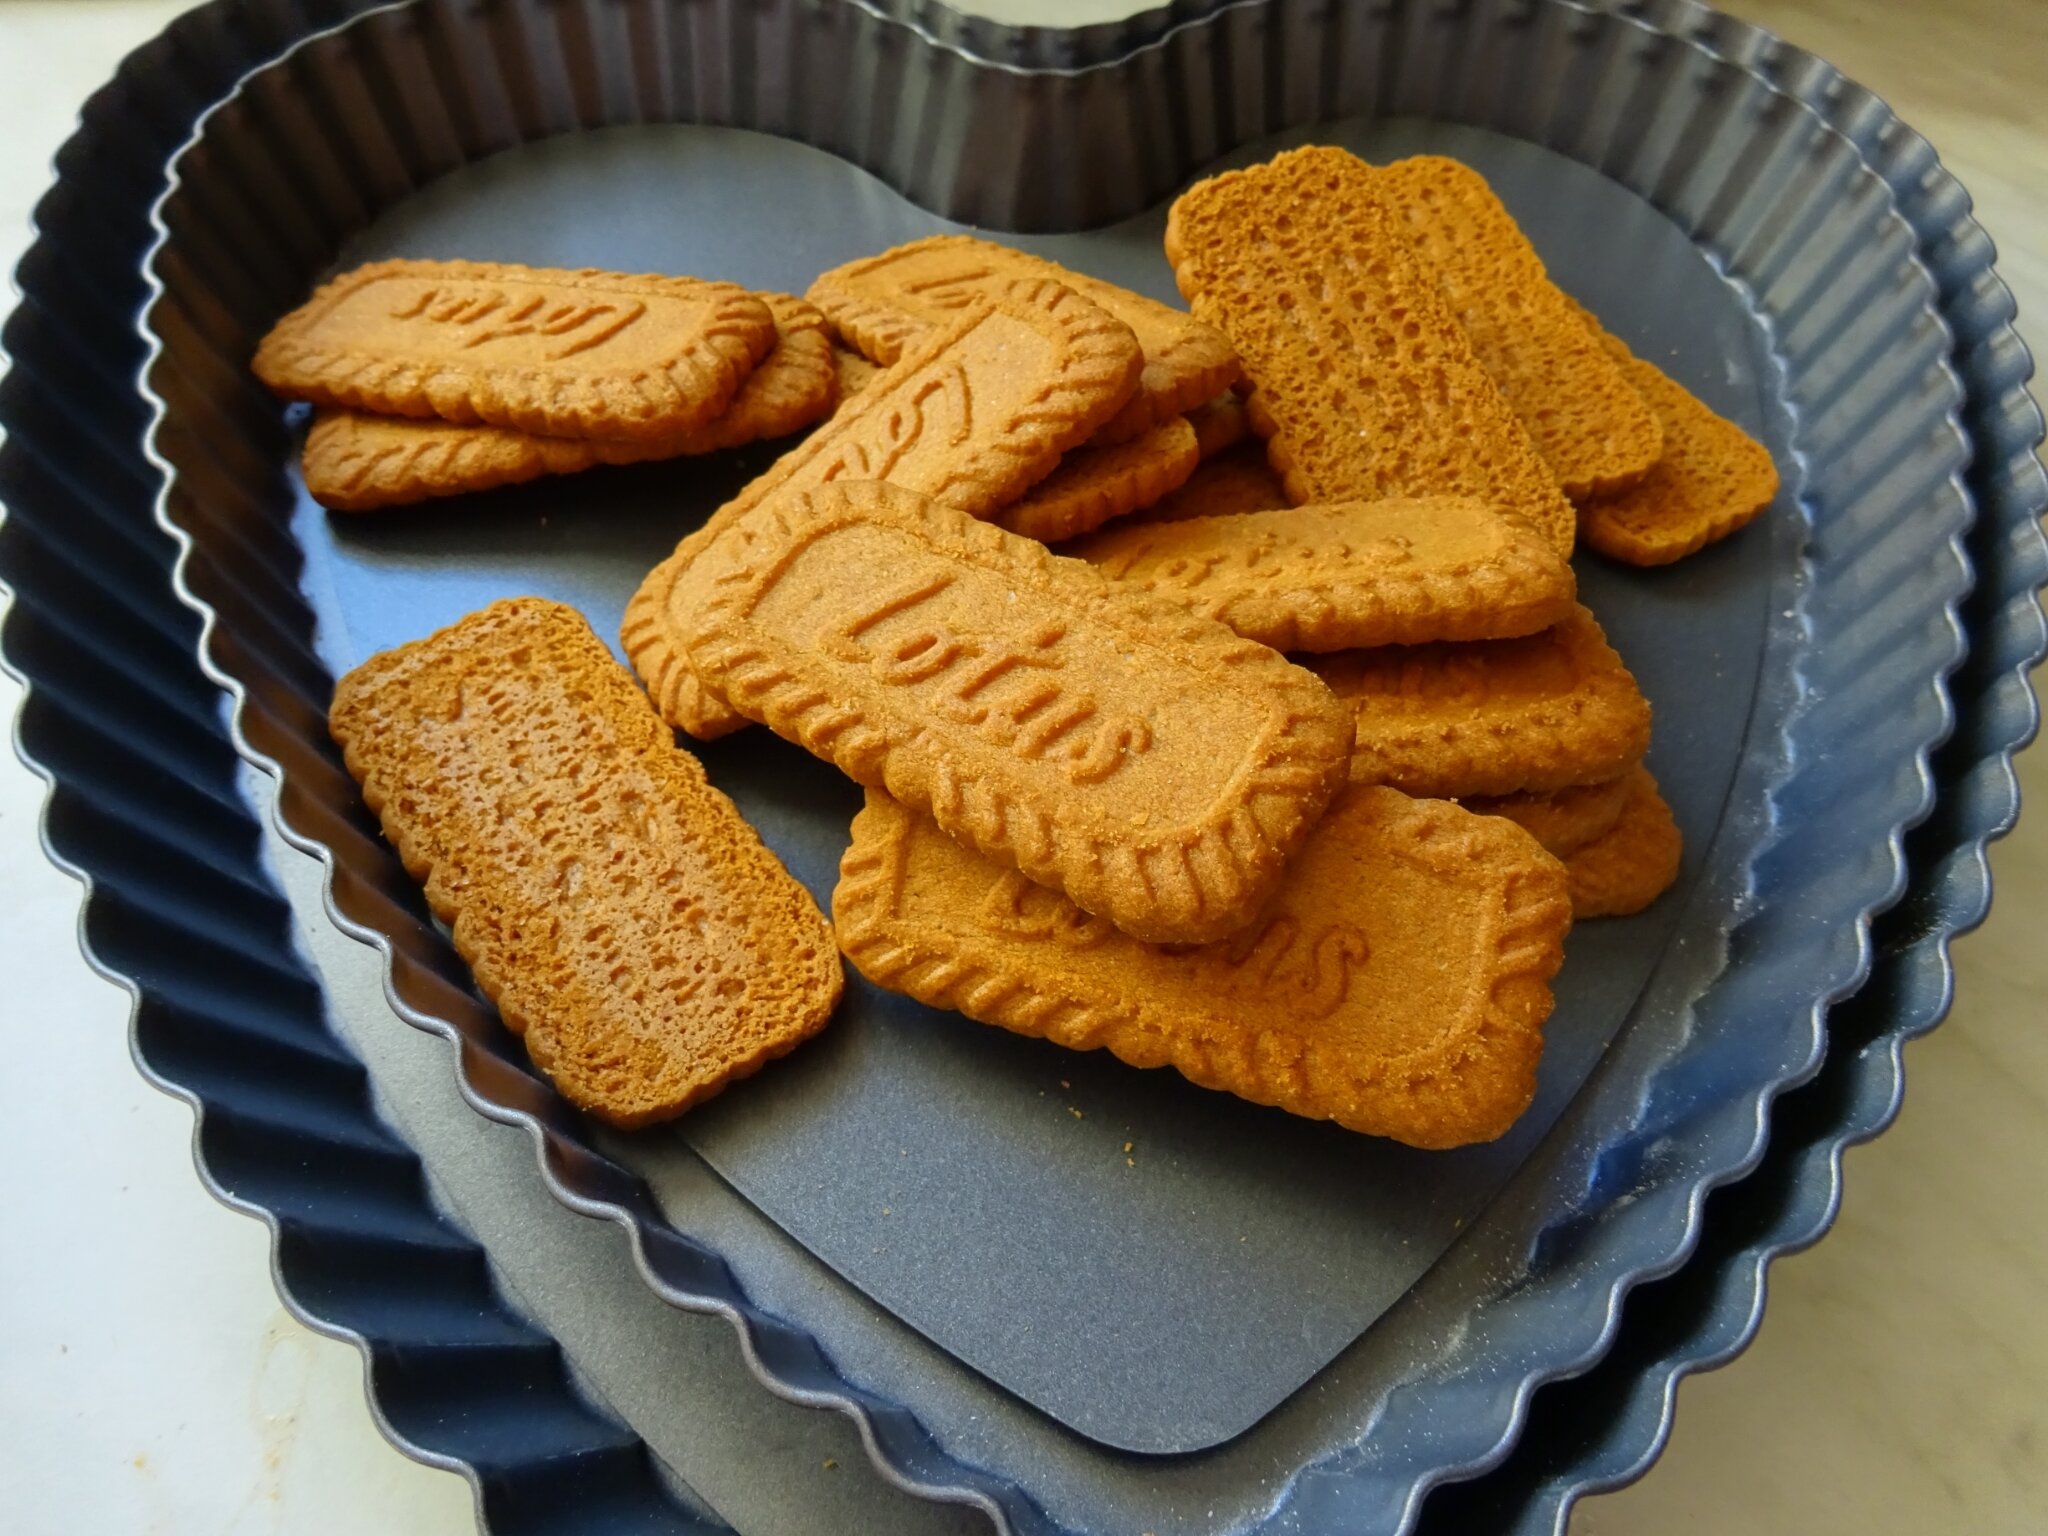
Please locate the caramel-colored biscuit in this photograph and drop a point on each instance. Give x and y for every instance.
(973, 416)
(624, 918)
(1562, 820)
(1713, 479)
(1364, 384)
(356, 462)
(1593, 429)
(1635, 863)
(1397, 983)
(537, 349)
(855, 373)
(1352, 573)
(1489, 717)
(1235, 481)
(1151, 764)
(884, 303)
(1094, 484)
(1222, 423)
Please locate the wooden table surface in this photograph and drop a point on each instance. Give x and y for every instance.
(1897, 1385)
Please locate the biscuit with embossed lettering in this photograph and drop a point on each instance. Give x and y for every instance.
(538, 349)
(1235, 481)
(1562, 820)
(973, 416)
(1156, 767)
(1714, 477)
(1592, 427)
(356, 462)
(626, 921)
(1349, 573)
(1363, 382)
(1396, 983)
(1094, 484)
(1489, 717)
(1635, 863)
(883, 303)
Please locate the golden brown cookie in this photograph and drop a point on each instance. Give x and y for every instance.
(356, 462)
(624, 918)
(884, 303)
(1713, 479)
(1363, 382)
(1151, 764)
(1489, 717)
(1397, 983)
(1236, 480)
(1597, 434)
(855, 373)
(1562, 820)
(1636, 861)
(1350, 573)
(1222, 423)
(973, 416)
(1094, 484)
(537, 349)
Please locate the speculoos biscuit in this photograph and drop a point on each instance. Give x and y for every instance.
(1363, 382)
(537, 349)
(1349, 574)
(629, 925)
(973, 415)
(1237, 480)
(1595, 431)
(1490, 717)
(1634, 863)
(1156, 767)
(1397, 982)
(1713, 479)
(1095, 484)
(1562, 820)
(357, 462)
(883, 303)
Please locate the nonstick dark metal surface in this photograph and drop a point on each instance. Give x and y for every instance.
(11, 631)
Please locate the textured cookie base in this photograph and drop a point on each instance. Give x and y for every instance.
(1635, 863)
(357, 462)
(1364, 384)
(1237, 480)
(627, 922)
(1491, 717)
(1562, 820)
(1095, 484)
(537, 349)
(1593, 429)
(974, 416)
(1714, 478)
(1329, 578)
(883, 304)
(1397, 983)
(1153, 765)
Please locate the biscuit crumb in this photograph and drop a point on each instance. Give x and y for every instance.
(1128, 1145)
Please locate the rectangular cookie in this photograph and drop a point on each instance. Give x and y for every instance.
(1713, 479)
(1363, 382)
(1150, 763)
(537, 349)
(1592, 427)
(1396, 983)
(357, 462)
(1348, 573)
(974, 416)
(1095, 484)
(1562, 820)
(1634, 862)
(627, 922)
(883, 304)
(1490, 717)
(1237, 480)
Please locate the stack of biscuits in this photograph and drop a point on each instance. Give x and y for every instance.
(1217, 679)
